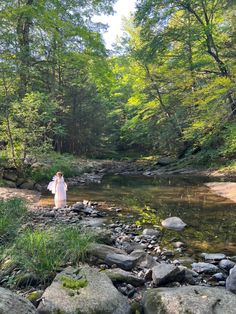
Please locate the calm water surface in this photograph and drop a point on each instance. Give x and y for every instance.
(211, 219)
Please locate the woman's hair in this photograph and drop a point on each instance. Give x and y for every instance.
(59, 173)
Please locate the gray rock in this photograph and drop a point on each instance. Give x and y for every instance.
(231, 280)
(219, 276)
(174, 223)
(190, 299)
(144, 260)
(125, 262)
(98, 296)
(118, 275)
(100, 251)
(226, 264)
(29, 185)
(11, 303)
(9, 184)
(151, 232)
(165, 273)
(214, 256)
(190, 276)
(10, 175)
(205, 268)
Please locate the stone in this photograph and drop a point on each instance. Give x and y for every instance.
(28, 185)
(9, 184)
(214, 256)
(219, 276)
(174, 223)
(118, 275)
(144, 260)
(189, 299)
(97, 296)
(123, 261)
(165, 273)
(231, 280)
(100, 251)
(205, 268)
(190, 276)
(10, 175)
(151, 232)
(14, 304)
(226, 264)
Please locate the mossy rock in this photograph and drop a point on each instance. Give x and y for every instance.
(72, 283)
(35, 297)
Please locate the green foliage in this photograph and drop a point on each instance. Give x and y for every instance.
(12, 212)
(44, 252)
(49, 164)
(74, 284)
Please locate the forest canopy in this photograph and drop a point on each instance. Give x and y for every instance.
(167, 87)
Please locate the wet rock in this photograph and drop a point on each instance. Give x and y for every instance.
(165, 273)
(97, 295)
(190, 299)
(231, 280)
(14, 304)
(226, 264)
(118, 275)
(205, 268)
(174, 223)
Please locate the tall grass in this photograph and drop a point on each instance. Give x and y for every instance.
(44, 252)
(12, 212)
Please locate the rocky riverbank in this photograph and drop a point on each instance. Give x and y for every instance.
(128, 271)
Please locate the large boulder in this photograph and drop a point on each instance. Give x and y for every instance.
(84, 291)
(189, 299)
(231, 280)
(174, 223)
(11, 303)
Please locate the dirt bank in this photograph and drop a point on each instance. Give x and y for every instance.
(32, 197)
(224, 189)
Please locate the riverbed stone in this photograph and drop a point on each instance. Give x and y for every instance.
(226, 264)
(174, 223)
(165, 273)
(151, 232)
(100, 251)
(14, 304)
(123, 261)
(214, 256)
(189, 299)
(118, 275)
(144, 260)
(231, 280)
(97, 296)
(205, 268)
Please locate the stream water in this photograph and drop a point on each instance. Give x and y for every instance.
(211, 219)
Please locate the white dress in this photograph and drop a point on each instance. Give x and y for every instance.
(59, 188)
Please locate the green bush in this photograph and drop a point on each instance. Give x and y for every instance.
(44, 252)
(55, 162)
(12, 212)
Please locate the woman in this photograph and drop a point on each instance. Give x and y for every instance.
(59, 188)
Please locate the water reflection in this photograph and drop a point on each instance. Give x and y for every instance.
(211, 219)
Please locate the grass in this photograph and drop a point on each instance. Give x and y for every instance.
(44, 252)
(12, 212)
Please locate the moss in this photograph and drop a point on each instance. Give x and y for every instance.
(74, 284)
(34, 296)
